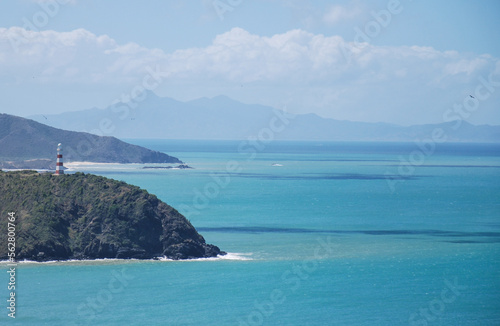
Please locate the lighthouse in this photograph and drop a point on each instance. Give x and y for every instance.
(59, 163)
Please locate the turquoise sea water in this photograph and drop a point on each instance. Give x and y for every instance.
(317, 233)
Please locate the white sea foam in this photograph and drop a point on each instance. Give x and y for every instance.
(228, 256)
(236, 256)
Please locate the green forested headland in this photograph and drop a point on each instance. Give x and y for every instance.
(84, 216)
(24, 142)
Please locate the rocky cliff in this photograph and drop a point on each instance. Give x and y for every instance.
(84, 216)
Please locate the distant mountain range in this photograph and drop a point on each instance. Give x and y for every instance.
(224, 118)
(28, 144)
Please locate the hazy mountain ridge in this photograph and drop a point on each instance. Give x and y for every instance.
(224, 118)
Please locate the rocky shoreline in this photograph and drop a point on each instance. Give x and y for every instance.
(84, 217)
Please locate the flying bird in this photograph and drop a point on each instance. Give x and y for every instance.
(471, 96)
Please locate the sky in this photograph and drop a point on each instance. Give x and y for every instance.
(398, 61)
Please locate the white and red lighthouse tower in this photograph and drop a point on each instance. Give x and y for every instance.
(59, 163)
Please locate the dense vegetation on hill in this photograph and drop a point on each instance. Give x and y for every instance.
(84, 216)
(24, 139)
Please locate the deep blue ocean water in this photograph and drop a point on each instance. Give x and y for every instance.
(318, 233)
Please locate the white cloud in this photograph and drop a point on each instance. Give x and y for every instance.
(466, 66)
(51, 56)
(327, 74)
(302, 56)
(237, 55)
(338, 13)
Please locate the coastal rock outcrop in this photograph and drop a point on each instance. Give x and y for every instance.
(84, 216)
